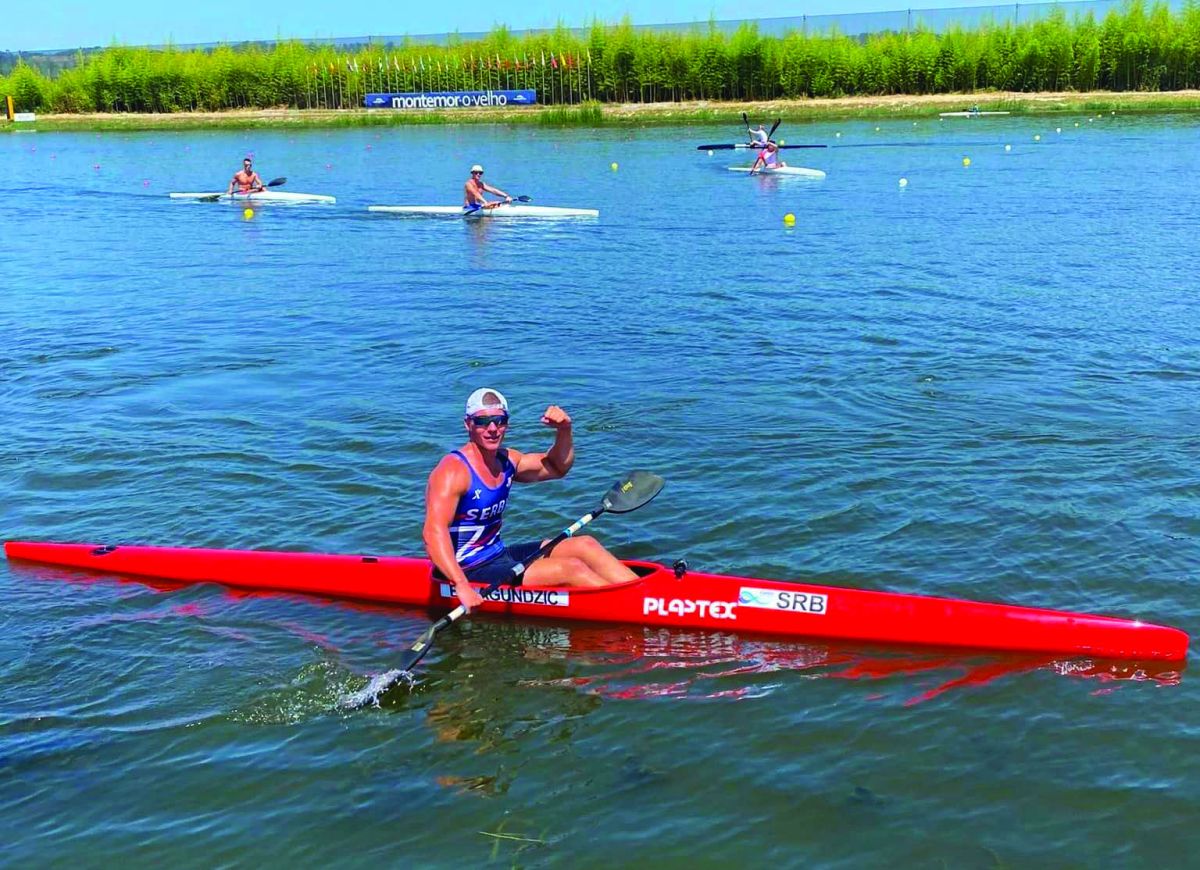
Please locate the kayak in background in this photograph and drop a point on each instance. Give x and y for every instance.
(780, 170)
(661, 596)
(969, 114)
(258, 196)
(732, 146)
(511, 210)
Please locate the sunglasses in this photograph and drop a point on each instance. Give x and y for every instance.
(477, 173)
(483, 421)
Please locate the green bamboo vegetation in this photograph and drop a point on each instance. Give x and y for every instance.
(1138, 48)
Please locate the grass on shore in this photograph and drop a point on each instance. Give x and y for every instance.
(594, 114)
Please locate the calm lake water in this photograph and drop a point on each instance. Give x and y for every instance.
(981, 385)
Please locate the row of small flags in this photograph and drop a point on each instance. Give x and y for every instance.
(482, 62)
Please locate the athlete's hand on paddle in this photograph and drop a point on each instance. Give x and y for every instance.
(467, 595)
(556, 418)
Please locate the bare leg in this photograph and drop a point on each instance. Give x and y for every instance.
(592, 553)
(564, 571)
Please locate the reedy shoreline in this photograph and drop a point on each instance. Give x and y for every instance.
(634, 114)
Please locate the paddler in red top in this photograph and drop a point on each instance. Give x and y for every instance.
(475, 188)
(246, 180)
(465, 500)
(768, 158)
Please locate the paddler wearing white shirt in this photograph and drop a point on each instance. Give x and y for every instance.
(758, 137)
(475, 188)
(768, 158)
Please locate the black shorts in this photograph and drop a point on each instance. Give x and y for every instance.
(500, 567)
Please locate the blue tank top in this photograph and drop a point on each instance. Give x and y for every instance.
(475, 529)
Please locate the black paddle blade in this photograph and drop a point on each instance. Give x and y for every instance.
(523, 198)
(275, 182)
(745, 120)
(774, 127)
(633, 491)
(417, 651)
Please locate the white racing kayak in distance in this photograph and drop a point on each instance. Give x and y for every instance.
(508, 210)
(781, 170)
(968, 114)
(260, 196)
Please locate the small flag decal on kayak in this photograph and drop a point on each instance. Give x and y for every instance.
(813, 603)
(518, 595)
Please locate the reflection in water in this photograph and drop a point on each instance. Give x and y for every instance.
(631, 663)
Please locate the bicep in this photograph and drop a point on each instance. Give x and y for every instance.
(532, 467)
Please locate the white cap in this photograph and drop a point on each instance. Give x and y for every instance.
(481, 400)
(477, 168)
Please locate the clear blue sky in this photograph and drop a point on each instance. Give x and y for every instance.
(55, 24)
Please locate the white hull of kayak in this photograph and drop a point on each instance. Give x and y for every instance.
(968, 114)
(261, 196)
(514, 210)
(782, 170)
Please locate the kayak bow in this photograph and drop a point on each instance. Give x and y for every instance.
(661, 596)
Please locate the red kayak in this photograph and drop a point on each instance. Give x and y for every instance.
(661, 596)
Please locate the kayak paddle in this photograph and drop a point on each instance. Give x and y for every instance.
(729, 146)
(274, 182)
(631, 492)
(774, 127)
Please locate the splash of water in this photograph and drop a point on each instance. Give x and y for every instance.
(370, 694)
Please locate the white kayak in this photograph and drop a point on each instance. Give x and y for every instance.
(260, 196)
(516, 209)
(781, 170)
(968, 114)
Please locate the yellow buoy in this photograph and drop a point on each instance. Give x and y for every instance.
(614, 167)
(248, 213)
(789, 220)
(904, 182)
(783, 141)
(966, 161)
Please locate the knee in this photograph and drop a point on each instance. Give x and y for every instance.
(586, 543)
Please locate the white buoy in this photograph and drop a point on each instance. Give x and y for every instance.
(1008, 148)
(904, 182)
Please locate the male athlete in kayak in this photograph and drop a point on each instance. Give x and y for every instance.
(475, 188)
(246, 180)
(768, 158)
(465, 500)
(759, 136)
